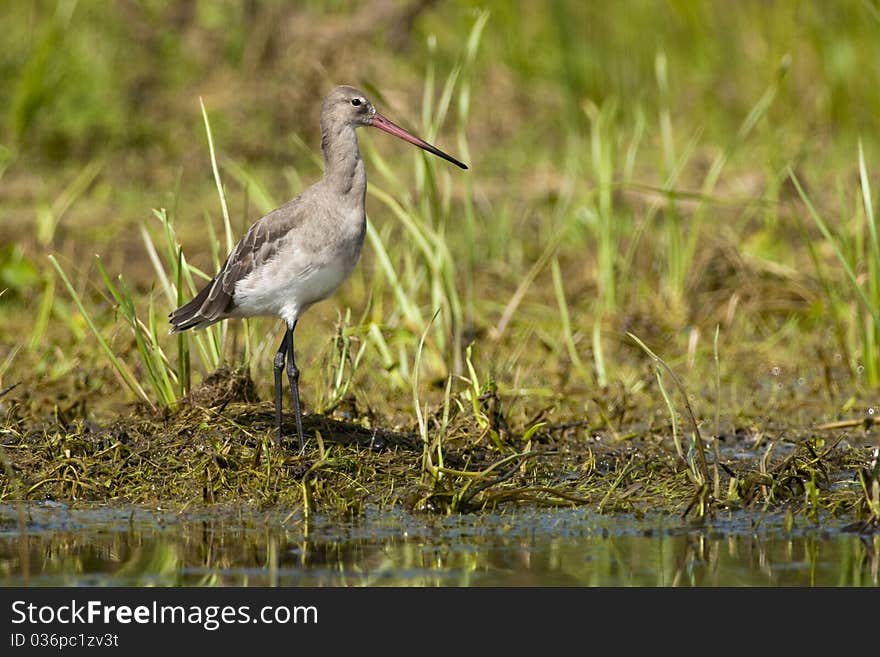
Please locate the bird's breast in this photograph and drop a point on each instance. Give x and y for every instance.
(308, 269)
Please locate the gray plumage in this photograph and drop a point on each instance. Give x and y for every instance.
(315, 236)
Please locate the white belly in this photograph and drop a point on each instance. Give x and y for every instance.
(287, 286)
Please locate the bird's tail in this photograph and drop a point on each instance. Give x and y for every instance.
(209, 306)
(189, 315)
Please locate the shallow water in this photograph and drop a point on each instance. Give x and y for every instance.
(106, 545)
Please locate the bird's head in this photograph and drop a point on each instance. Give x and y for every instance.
(346, 105)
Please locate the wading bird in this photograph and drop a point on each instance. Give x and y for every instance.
(301, 252)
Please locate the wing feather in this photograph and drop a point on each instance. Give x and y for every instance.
(216, 300)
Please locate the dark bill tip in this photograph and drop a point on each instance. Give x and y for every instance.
(382, 123)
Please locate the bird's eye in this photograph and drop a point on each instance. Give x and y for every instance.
(355, 101)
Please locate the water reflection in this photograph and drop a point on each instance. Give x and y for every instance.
(237, 547)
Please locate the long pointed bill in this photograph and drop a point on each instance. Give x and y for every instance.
(382, 123)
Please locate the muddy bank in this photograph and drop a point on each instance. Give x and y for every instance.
(218, 447)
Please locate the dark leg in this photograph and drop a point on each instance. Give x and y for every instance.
(293, 380)
(279, 367)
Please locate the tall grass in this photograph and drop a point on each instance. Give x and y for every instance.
(426, 276)
(856, 247)
(167, 379)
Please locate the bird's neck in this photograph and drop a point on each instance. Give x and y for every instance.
(343, 168)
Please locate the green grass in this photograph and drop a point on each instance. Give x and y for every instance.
(855, 307)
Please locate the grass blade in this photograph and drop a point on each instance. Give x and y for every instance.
(120, 368)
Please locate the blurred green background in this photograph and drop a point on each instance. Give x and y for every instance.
(632, 169)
